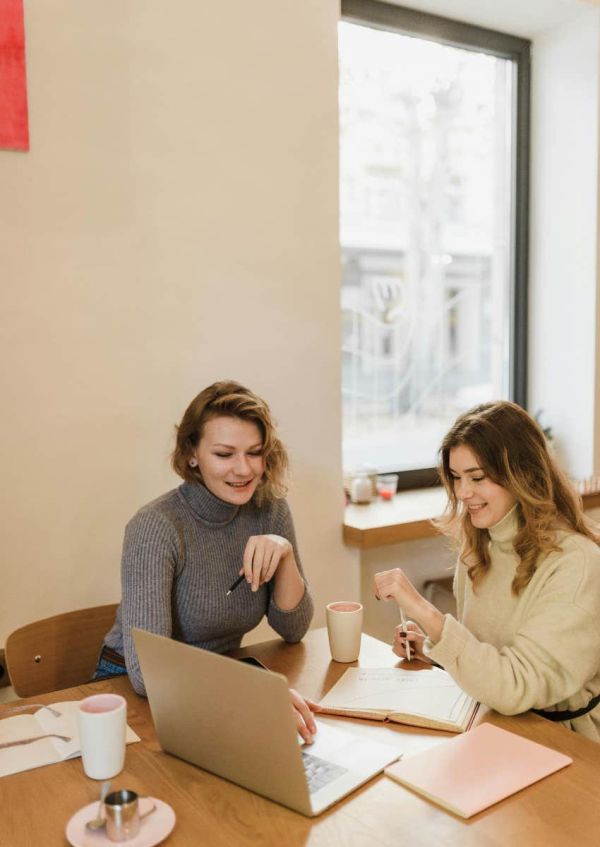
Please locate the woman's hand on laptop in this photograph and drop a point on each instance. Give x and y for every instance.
(303, 709)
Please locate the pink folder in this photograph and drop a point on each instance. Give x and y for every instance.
(473, 771)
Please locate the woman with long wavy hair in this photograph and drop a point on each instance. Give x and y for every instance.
(527, 581)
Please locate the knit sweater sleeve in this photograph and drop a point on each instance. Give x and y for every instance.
(150, 552)
(292, 624)
(551, 656)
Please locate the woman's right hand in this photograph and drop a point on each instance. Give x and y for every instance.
(415, 635)
(303, 709)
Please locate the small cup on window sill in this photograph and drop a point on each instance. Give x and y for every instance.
(387, 485)
(361, 490)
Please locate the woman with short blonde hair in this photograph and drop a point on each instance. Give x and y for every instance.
(527, 580)
(230, 399)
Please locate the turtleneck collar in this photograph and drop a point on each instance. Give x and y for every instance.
(505, 530)
(206, 506)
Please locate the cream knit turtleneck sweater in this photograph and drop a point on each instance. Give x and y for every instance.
(538, 650)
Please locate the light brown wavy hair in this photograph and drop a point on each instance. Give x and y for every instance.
(232, 400)
(512, 451)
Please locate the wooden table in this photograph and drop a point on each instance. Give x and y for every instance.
(562, 810)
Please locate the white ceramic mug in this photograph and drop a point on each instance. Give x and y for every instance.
(102, 721)
(344, 628)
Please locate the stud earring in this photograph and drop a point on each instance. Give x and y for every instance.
(193, 463)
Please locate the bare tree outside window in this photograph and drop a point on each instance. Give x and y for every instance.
(426, 153)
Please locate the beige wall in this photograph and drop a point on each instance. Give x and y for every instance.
(174, 222)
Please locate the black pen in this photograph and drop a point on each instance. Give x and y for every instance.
(235, 584)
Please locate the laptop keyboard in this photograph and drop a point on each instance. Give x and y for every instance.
(320, 772)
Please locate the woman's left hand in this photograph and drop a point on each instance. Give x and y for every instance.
(262, 557)
(414, 636)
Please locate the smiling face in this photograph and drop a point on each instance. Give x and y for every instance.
(485, 501)
(230, 458)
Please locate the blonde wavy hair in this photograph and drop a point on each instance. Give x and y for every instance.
(232, 400)
(512, 451)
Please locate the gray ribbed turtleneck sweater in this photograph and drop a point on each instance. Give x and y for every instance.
(180, 555)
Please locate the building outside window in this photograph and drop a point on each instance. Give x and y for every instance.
(433, 214)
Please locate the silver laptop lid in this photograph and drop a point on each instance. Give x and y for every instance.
(224, 716)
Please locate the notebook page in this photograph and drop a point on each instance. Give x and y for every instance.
(431, 694)
(46, 751)
(25, 756)
(65, 724)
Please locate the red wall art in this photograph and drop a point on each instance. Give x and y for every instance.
(14, 124)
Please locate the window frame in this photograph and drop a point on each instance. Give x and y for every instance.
(411, 22)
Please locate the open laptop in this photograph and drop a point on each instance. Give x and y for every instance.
(236, 721)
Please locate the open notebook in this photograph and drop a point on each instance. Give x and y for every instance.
(39, 736)
(468, 773)
(428, 698)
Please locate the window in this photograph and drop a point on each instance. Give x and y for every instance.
(433, 229)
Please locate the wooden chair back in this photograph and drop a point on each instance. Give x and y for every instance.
(58, 652)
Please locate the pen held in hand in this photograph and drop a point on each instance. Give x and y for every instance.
(235, 584)
(404, 630)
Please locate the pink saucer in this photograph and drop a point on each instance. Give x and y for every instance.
(153, 829)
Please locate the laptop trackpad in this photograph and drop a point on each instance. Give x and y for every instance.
(339, 761)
